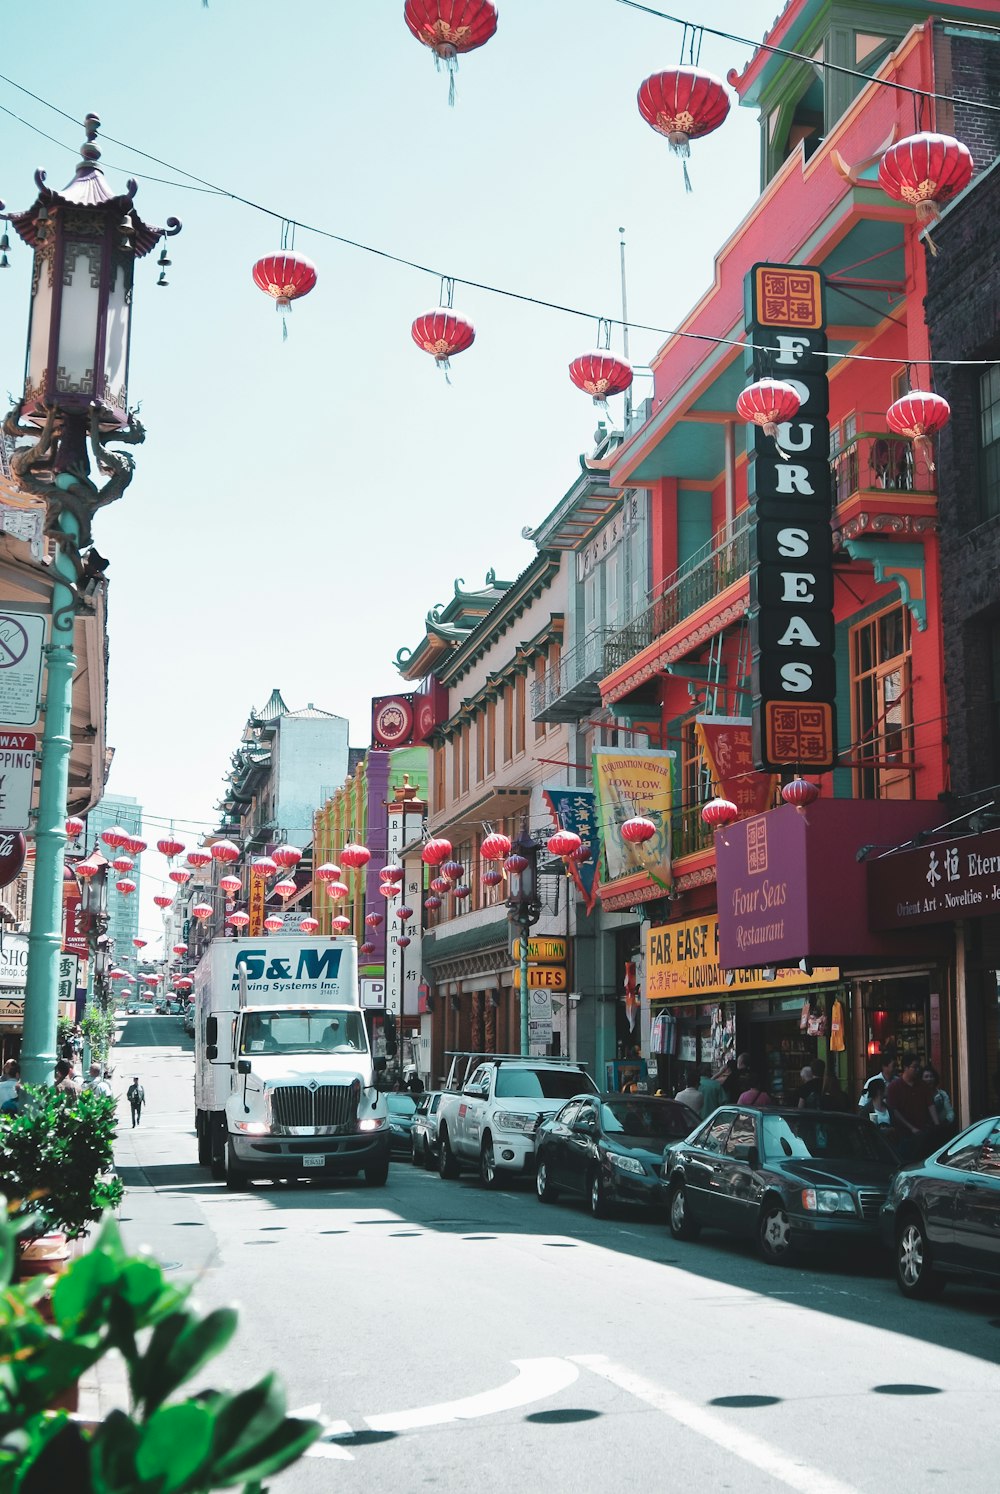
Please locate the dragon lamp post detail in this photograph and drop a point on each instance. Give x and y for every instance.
(85, 241)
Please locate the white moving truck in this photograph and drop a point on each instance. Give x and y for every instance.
(284, 1080)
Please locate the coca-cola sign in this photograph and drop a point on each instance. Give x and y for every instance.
(13, 848)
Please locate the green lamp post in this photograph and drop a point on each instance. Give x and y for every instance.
(85, 241)
(524, 909)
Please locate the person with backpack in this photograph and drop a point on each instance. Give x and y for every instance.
(136, 1096)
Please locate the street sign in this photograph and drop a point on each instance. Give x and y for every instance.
(544, 978)
(540, 1017)
(13, 962)
(372, 992)
(553, 950)
(13, 849)
(17, 777)
(22, 639)
(69, 976)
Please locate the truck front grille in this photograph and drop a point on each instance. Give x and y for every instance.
(329, 1108)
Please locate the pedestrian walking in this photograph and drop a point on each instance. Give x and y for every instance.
(942, 1103)
(886, 1073)
(10, 1088)
(136, 1096)
(63, 1079)
(97, 1081)
(911, 1105)
(691, 1095)
(756, 1094)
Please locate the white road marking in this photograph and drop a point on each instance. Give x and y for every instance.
(535, 1379)
(781, 1466)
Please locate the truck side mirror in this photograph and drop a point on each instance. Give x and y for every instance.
(243, 1066)
(211, 1052)
(212, 1032)
(378, 1065)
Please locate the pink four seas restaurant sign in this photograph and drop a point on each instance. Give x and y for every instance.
(937, 883)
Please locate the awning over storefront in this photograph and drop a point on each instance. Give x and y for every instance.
(950, 878)
(682, 964)
(792, 884)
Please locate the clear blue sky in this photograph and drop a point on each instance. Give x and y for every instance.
(298, 508)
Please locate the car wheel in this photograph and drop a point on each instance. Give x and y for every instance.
(774, 1235)
(915, 1274)
(235, 1176)
(377, 1173)
(682, 1225)
(428, 1158)
(597, 1196)
(415, 1155)
(488, 1172)
(543, 1187)
(447, 1166)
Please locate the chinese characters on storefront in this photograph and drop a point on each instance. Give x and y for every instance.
(936, 884)
(682, 964)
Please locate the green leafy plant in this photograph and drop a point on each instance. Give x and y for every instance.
(98, 1027)
(108, 1300)
(56, 1158)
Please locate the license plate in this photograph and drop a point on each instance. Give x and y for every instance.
(313, 1159)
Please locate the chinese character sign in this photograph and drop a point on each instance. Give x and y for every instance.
(629, 783)
(727, 742)
(575, 809)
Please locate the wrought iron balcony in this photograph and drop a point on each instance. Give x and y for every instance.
(572, 690)
(879, 481)
(689, 833)
(708, 572)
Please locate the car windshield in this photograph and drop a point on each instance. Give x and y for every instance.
(644, 1118)
(400, 1104)
(540, 1084)
(826, 1138)
(312, 1031)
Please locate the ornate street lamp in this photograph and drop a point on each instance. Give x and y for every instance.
(524, 909)
(85, 241)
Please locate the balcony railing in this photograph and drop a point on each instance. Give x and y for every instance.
(708, 571)
(571, 690)
(689, 833)
(876, 461)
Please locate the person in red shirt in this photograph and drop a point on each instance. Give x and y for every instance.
(914, 1114)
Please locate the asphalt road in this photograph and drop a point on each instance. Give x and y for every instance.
(466, 1340)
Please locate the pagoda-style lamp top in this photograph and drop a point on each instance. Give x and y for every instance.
(86, 241)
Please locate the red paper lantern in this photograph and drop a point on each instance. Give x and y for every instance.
(140, 943)
(126, 886)
(719, 812)
(285, 277)
(183, 983)
(179, 875)
(201, 911)
(403, 940)
(495, 847)
(919, 415)
(309, 925)
(435, 851)
(337, 891)
(925, 170)
(239, 919)
(584, 852)
(563, 843)
(440, 884)
(373, 920)
(355, 855)
(391, 873)
(263, 866)
(135, 845)
(327, 872)
(230, 885)
(273, 922)
(461, 892)
(432, 902)
(403, 913)
(600, 374)
(115, 837)
(449, 28)
(800, 793)
(285, 889)
(224, 851)
(169, 845)
(340, 924)
(123, 864)
(452, 870)
(118, 974)
(683, 103)
(442, 333)
(150, 980)
(160, 899)
(388, 889)
(75, 827)
(491, 878)
(198, 857)
(87, 868)
(637, 830)
(515, 863)
(287, 856)
(768, 403)
(366, 949)
(180, 949)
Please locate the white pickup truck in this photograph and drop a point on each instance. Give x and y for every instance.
(492, 1105)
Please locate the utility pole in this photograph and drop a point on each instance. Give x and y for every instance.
(524, 910)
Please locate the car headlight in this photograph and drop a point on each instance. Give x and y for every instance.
(253, 1128)
(627, 1164)
(512, 1120)
(827, 1201)
(372, 1123)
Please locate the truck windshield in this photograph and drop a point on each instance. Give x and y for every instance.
(542, 1084)
(291, 1031)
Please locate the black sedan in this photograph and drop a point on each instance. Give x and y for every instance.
(401, 1108)
(785, 1178)
(942, 1216)
(609, 1148)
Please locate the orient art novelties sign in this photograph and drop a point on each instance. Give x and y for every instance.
(937, 883)
(791, 548)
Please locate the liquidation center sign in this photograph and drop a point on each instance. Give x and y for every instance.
(682, 964)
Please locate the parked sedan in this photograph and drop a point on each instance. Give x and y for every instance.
(942, 1216)
(786, 1178)
(424, 1135)
(608, 1148)
(401, 1108)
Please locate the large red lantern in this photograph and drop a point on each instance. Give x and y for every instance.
(239, 919)
(495, 847)
(718, 813)
(123, 864)
(180, 949)
(309, 925)
(126, 886)
(183, 983)
(327, 872)
(87, 868)
(449, 28)
(285, 889)
(160, 899)
(263, 866)
(340, 924)
(75, 827)
(403, 940)
(800, 793)
(461, 892)
(337, 891)
(515, 863)
(366, 949)
(563, 843)
(198, 858)
(768, 403)
(388, 889)
(391, 873)
(491, 878)
(432, 902)
(354, 855)
(452, 870)
(224, 851)
(286, 277)
(140, 943)
(169, 845)
(440, 884)
(374, 919)
(135, 845)
(600, 374)
(115, 837)
(919, 415)
(683, 103)
(230, 885)
(403, 913)
(179, 875)
(201, 911)
(636, 831)
(287, 856)
(925, 170)
(273, 922)
(442, 333)
(436, 851)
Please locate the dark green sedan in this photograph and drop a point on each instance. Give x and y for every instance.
(608, 1149)
(787, 1179)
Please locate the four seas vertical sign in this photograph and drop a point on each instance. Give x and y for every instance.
(791, 549)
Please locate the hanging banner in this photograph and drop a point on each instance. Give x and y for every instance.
(258, 889)
(574, 809)
(635, 781)
(791, 545)
(727, 743)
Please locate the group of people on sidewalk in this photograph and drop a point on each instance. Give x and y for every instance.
(65, 1081)
(905, 1097)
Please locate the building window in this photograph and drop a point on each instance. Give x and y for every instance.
(508, 723)
(491, 738)
(882, 706)
(439, 778)
(540, 692)
(480, 746)
(464, 755)
(989, 442)
(518, 714)
(456, 773)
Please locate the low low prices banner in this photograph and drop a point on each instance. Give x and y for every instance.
(634, 782)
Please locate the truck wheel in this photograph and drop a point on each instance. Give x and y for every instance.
(488, 1171)
(377, 1173)
(447, 1166)
(235, 1176)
